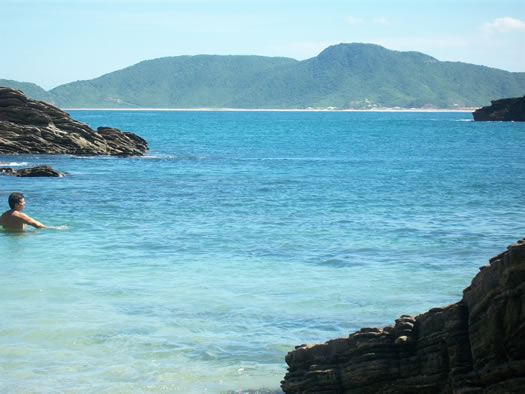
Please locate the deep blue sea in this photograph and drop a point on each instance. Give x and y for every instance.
(241, 235)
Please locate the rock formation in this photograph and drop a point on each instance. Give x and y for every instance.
(512, 109)
(476, 345)
(30, 126)
(31, 172)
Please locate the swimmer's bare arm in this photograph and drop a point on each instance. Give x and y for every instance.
(29, 220)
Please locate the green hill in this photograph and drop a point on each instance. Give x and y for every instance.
(182, 81)
(30, 90)
(342, 76)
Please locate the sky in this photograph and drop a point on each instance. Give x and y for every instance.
(52, 42)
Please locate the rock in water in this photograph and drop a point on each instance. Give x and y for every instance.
(30, 126)
(31, 172)
(511, 109)
(476, 345)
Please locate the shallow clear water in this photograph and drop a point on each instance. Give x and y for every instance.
(243, 234)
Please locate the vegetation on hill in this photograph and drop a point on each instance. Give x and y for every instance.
(30, 90)
(182, 81)
(359, 76)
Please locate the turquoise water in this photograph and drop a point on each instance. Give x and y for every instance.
(243, 234)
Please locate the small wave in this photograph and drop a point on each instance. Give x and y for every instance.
(212, 158)
(95, 157)
(464, 120)
(14, 164)
(61, 228)
(170, 157)
(291, 159)
(159, 157)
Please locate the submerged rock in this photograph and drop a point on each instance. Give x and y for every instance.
(30, 126)
(31, 172)
(476, 345)
(511, 109)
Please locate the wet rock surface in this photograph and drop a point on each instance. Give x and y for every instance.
(30, 126)
(476, 345)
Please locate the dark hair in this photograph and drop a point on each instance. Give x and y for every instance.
(15, 198)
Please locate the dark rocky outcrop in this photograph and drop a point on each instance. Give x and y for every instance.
(510, 109)
(30, 126)
(31, 172)
(476, 345)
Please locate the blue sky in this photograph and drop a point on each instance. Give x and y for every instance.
(51, 42)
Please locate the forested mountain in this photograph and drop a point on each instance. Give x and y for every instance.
(30, 89)
(172, 82)
(342, 76)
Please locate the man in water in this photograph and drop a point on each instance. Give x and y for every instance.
(14, 219)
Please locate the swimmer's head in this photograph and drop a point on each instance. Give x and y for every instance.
(15, 198)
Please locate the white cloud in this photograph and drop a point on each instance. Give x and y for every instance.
(504, 25)
(353, 20)
(381, 20)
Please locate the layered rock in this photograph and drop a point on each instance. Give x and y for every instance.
(30, 126)
(31, 172)
(476, 345)
(511, 109)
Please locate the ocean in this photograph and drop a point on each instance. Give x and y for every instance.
(241, 235)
